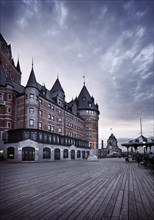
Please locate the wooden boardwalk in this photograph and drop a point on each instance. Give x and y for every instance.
(81, 190)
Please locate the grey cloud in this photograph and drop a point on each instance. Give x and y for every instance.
(111, 42)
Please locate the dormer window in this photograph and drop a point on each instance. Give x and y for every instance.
(89, 104)
(84, 99)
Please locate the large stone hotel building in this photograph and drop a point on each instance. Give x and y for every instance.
(38, 124)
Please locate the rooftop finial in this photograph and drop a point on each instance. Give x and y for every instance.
(57, 75)
(32, 62)
(84, 80)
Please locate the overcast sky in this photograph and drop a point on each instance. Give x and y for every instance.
(110, 42)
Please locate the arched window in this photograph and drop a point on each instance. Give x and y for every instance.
(57, 154)
(78, 154)
(83, 154)
(72, 154)
(46, 153)
(87, 154)
(65, 153)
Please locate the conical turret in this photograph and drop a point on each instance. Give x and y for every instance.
(88, 110)
(32, 80)
(18, 67)
(85, 101)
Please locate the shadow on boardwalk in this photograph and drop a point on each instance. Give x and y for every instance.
(107, 189)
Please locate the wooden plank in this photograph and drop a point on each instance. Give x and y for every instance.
(107, 189)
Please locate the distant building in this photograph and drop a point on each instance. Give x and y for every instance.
(37, 123)
(112, 146)
(111, 149)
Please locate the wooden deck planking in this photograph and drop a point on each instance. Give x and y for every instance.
(81, 190)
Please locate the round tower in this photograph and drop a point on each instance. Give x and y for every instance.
(88, 110)
(31, 102)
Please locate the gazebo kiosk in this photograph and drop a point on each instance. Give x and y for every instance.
(140, 144)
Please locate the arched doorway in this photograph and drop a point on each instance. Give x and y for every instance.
(10, 153)
(28, 153)
(83, 154)
(72, 154)
(57, 154)
(65, 153)
(87, 154)
(78, 154)
(46, 153)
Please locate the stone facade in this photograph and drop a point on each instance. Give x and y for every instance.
(30, 150)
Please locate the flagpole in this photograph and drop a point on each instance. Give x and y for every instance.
(141, 125)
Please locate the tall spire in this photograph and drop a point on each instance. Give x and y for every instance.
(32, 79)
(18, 66)
(84, 80)
(32, 63)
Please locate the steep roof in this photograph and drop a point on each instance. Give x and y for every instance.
(112, 136)
(32, 80)
(57, 87)
(84, 93)
(18, 67)
(85, 101)
(4, 80)
(2, 77)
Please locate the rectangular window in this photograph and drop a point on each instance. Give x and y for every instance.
(40, 136)
(9, 110)
(52, 107)
(1, 96)
(40, 125)
(49, 138)
(60, 130)
(31, 110)
(49, 116)
(9, 124)
(88, 135)
(59, 120)
(40, 113)
(51, 128)
(40, 101)
(9, 97)
(53, 118)
(49, 105)
(31, 122)
(31, 96)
